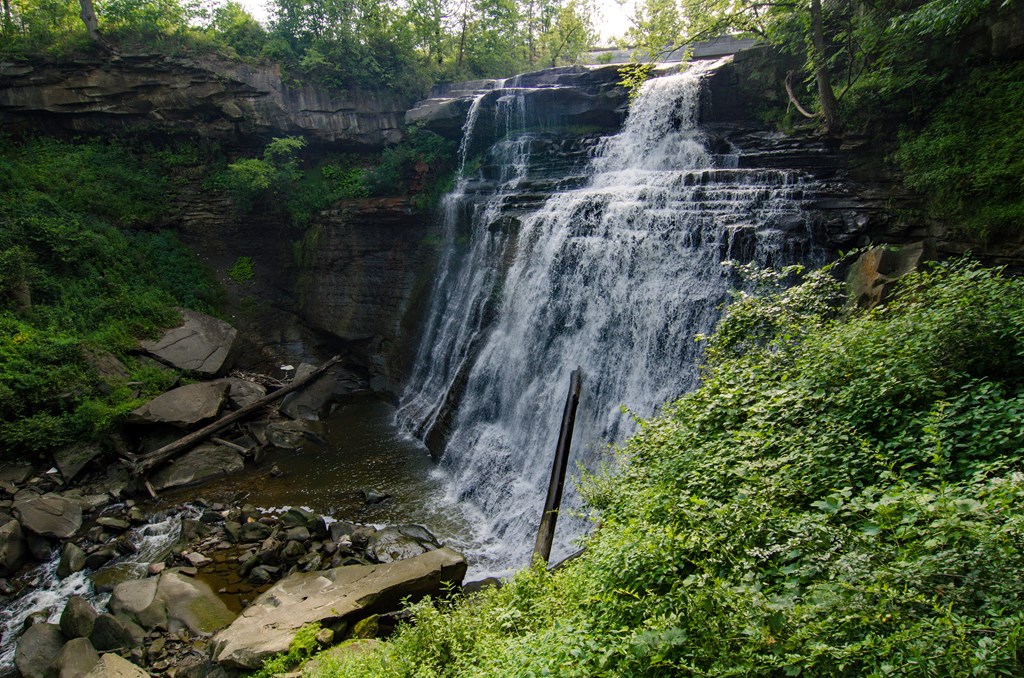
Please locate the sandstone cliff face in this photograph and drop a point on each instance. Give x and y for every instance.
(202, 96)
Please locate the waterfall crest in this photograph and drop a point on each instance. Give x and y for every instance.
(616, 274)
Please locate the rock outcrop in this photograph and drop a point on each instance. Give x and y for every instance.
(875, 272)
(270, 623)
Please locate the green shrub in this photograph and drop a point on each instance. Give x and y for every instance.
(243, 270)
(969, 158)
(303, 645)
(840, 497)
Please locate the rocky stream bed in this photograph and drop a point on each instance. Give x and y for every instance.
(100, 578)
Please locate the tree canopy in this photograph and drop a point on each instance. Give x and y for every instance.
(856, 53)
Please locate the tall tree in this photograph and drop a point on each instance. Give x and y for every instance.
(92, 24)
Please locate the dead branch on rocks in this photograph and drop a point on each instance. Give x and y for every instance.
(141, 465)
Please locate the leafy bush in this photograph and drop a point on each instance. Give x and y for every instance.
(969, 158)
(243, 270)
(422, 163)
(840, 497)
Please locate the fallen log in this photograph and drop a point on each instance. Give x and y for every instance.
(143, 464)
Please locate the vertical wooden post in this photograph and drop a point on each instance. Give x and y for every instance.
(546, 532)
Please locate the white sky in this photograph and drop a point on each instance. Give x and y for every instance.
(612, 21)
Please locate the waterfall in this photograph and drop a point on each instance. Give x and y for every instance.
(616, 275)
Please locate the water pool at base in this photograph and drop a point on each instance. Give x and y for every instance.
(362, 449)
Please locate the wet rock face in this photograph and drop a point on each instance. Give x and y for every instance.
(230, 102)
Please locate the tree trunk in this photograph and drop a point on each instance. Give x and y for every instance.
(829, 104)
(462, 37)
(92, 24)
(7, 17)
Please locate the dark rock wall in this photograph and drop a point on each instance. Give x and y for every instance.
(860, 198)
(365, 278)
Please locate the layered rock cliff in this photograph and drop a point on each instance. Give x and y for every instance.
(205, 97)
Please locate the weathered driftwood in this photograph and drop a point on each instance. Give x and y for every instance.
(546, 532)
(143, 464)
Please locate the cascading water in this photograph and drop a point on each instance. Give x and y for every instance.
(49, 593)
(616, 276)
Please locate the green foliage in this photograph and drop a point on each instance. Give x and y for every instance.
(634, 75)
(71, 281)
(250, 180)
(969, 158)
(840, 497)
(422, 163)
(303, 645)
(243, 270)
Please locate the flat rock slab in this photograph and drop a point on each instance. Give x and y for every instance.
(183, 407)
(48, 515)
(269, 624)
(200, 344)
(202, 463)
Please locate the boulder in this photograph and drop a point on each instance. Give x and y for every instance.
(37, 648)
(171, 601)
(312, 401)
(75, 659)
(48, 515)
(200, 344)
(113, 666)
(72, 560)
(291, 435)
(12, 547)
(183, 407)
(41, 548)
(136, 600)
(15, 473)
(202, 463)
(107, 366)
(192, 604)
(270, 623)
(242, 392)
(78, 618)
(875, 272)
(400, 542)
(72, 459)
(110, 633)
